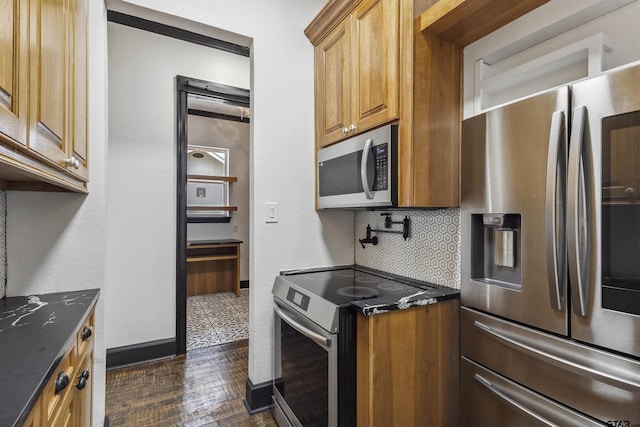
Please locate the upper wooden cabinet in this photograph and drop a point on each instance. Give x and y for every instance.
(464, 21)
(43, 94)
(357, 72)
(374, 66)
(14, 51)
(332, 77)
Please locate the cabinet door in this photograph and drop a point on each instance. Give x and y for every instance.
(48, 42)
(35, 416)
(14, 66)
(84, 395)
(375, 44)
(78, 136)
(333, 87)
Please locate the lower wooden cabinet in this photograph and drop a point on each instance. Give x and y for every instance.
(84, 392)
(35, 417)
(66, 400)
(407, 372)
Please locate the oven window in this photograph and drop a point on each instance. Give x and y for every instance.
(305, 376)
(621, 213)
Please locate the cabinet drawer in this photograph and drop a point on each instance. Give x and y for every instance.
(54, 402)
(84, 337)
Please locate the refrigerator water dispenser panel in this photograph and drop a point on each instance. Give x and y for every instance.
(496, 249)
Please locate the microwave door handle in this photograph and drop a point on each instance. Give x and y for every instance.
(555, 242)
(363, 168)
(578, 227)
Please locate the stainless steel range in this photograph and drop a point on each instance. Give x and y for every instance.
(315, 337)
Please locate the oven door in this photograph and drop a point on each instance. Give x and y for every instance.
(305, 385)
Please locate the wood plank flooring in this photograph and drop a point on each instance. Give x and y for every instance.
(205, 387)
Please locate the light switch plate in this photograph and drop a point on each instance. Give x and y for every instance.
(271, 212)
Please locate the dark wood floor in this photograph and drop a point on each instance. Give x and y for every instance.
(205, 387)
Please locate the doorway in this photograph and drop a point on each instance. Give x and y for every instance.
(212, 293)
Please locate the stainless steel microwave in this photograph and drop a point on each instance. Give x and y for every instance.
(360, 172)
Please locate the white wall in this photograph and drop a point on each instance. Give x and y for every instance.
(57, 241)
(282, 171)
(141, 172)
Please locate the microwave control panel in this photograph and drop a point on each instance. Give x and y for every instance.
(381, 159)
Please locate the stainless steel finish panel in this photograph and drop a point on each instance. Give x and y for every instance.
(600, 384)
(304, 327)
(504, 248)
(607, 95)
(330, 345)
(488, 399)
(503, 171)
(363, 168)
(555, 216)
(279, 413)
(320, 311)
(357, 143)
(579, 235)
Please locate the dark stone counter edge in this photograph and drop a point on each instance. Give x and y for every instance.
(369, 310)
(54, 363)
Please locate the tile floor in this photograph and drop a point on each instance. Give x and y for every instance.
(219, 318)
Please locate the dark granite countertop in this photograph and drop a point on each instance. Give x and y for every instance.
(417, 293)
(34, 332)
(213, 242)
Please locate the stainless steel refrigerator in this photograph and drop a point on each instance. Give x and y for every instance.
(550, 325)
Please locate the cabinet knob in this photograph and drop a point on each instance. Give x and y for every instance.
(345, 131)
(61, 382)
(352, 128)
(82, 380)
(72, 161)
(86, 333)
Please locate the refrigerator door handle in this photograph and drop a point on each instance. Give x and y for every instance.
(512, 401)
(578, 238)
(554, 211)
(628, 384)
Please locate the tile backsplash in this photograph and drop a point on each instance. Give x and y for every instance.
(3, 244)
(431, 252)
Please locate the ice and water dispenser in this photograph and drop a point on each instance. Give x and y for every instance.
(496, 249)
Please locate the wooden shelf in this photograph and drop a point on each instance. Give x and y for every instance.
(213, 178)
(462, 22)
(211, 258)
(213, 268)
(212, 208)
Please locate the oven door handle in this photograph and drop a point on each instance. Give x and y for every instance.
(317, 338)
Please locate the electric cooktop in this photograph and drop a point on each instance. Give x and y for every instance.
(320, 294)
(343, 286)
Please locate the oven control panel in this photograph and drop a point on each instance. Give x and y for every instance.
(298, 298)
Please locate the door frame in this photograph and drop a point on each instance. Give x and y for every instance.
(229, 95)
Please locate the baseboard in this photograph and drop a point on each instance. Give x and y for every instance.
(257, 396)
(119, 357)
(244, 284)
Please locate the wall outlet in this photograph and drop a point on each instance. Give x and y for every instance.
(235, 228)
